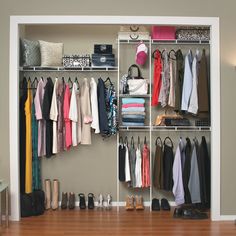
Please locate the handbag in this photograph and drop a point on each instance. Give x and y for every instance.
(137, 85)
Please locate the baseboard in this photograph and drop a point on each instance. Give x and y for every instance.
(228, 218)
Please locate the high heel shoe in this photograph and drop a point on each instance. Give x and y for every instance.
(109, 200)
(100, 202)
(82, 203)
(90, 201)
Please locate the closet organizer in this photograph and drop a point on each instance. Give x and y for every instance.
(97, 167)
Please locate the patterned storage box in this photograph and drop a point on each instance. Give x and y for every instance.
(76, 61)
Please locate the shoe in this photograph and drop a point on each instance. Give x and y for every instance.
(165, 206)
(129, 203)
(155, 204)
(109, 204)
(71, 200)
(90, 201)
(64, 200)
(82, 203)
(47, 184)
(55, 194)
(100, 202)
(139, 203)
(178, 213)
(193, 214)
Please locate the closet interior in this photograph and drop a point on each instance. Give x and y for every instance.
(97, 166)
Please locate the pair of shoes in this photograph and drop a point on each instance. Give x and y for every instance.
(165, 206)
(82, 201)
(51, 195)
(130, 203)
(105, 204)
(65, 202)
(189, 213)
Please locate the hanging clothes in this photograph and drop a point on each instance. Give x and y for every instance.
(186, 170)
(168, 159)
(127, 162)
(193, 101)
(179, 79)
(67, 121)
(60, 120)
(188, 81)
(132, 158)
(157, 170)
(54, 117)
(38, 102)
(194, 184)
(156, 77)
(203, 85)
(36, 165)
(85, 112)
(103, 121)
(47, 100)
(145, 165)
(138, 166)
(28, 146)
(22, 135)
(122, 153)
(73, 115)
(165, 86)
(171, 101)
(178, 188)
(94, 105)
(204, 173)
(79, 123)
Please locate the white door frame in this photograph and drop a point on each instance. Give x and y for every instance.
(16, 21)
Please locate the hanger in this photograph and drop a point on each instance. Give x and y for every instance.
(70, 82)
(132, 141)
(22, 82)
(168, 138)
(145, 140)
(121, 141)
(169, 54)
(77, 82)
(160, 141)
(108, 80)
(126, 141)
(153, 54)
(33, 85)
(138, 141)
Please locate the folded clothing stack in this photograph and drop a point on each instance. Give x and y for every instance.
(133, 111)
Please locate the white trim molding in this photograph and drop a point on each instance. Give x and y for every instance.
(228, 218)
(16, 21)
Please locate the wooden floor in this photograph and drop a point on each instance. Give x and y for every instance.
(94, 222)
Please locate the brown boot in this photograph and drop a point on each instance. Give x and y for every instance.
(129, 203)
(71, 200)
(139, 203)
(47, 185)
(55, 194)
(64, 200)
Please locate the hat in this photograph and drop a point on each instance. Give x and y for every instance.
(141, 54)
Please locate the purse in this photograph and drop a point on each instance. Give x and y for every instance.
(137, 85)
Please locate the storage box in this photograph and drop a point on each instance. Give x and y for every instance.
(103, 48)
(133, 36)
(103, 60)
(163, 32)
(76, 61)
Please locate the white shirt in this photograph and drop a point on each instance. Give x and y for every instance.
(94, 106)
(127, 165)
(138, 168)
(188, 82)
(73, 114)
(178, 187)
(54, 116)
(193, 103)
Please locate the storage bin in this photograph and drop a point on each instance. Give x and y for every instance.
(163, 32)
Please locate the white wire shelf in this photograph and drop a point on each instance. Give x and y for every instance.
(134, 128)
(133, 41)
(181, 42)
(181, 128)
(134, 96)
(62, 69)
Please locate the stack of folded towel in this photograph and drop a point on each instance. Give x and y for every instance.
(133, 111)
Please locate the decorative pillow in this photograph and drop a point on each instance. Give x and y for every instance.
(51, 53)
(30, 53)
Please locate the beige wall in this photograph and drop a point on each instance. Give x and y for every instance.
(224, 9)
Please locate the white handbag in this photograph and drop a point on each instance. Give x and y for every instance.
(137, 85)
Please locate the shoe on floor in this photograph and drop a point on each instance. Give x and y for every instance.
(155, 204)
(71, 200)
(165, 206)
(64, 200)
(82, 202)
(178, 212)
(129, 203)
(139, 203)
(90, 201)
(193, 214)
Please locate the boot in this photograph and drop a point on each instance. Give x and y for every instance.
(47, 184)
(55, 194)
(64, 200)
(71, 200)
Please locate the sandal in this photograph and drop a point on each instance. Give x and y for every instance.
(129, 203)
(109, 199)
(90, 201)
(82, 203)
(100, 202)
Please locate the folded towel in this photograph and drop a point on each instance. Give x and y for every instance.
(133, 100)
(132, 124)
(134, 116)
(136, 120)
(137, 109)
(132, 105)
(133, 113)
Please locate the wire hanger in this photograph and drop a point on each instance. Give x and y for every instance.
(169, 54)
(77, 82)
(108, 80)
(70, 82)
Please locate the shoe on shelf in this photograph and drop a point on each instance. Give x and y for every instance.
(165, 206)
(71, 200)
(109, 202)
(139, 203)
(100, 202)
(129, 203)
(193, 214)
(82, 202)
(90, 201)
(155, 204)
(64, 200)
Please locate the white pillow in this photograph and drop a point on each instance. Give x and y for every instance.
(51, 53)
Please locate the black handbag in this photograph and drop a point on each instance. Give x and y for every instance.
(32, 204)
